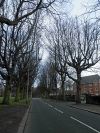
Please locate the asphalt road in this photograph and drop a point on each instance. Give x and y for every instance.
(47, 116)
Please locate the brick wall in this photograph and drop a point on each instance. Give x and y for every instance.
(92, 88)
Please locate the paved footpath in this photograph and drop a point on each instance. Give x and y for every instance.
(47, 116)
(87, 107)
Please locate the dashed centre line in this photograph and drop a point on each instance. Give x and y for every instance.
(50, 105)
(85, 124)
(55, 108)
(59, 110)
(93, 129)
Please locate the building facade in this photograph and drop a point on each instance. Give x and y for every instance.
(90, 85)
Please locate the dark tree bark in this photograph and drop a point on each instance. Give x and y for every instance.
(7, 92)
(78, 88)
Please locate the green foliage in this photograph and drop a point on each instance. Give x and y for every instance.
(12, 101)
(1, 99)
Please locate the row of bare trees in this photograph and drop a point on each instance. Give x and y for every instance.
(20, 35)
(47, 79)
(74, 47)
(19, 56)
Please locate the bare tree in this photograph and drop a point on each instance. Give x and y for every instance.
(43, 81)
(78, 49)
(57, 53)
(93, 11)
(21, 9)
(24, 76)
(15, 44)
(82, 46)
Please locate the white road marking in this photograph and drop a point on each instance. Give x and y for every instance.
(59, 110)
(50, 105)
(54, 108)
(85, 124)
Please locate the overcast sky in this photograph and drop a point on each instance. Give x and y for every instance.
(79, 6)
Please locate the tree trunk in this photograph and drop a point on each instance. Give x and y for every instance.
(78, 88)
(55, 85)
(6, 99)
(78, 93)
(17, 97)
(23, 93)
(63, 90)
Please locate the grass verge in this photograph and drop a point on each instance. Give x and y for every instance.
(12, 101)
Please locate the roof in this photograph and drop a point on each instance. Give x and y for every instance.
(90, 79)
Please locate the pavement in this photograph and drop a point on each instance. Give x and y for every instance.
(10, 117)
(24, 121)
(86, 107)
(48, 116)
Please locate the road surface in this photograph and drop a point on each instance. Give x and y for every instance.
(47, 116)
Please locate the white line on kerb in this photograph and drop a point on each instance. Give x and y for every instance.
(85, 124)
(59, 110)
